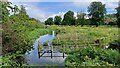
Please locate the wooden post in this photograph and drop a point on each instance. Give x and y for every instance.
(39, 47)
(51, 54)
(63, 50)
(63, 54)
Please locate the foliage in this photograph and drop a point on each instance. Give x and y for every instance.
(115, 44)
(118, 14)
(96, 13)
(77, 35)
(57, 20)
(81, 19)
(110, 19)
(15, 34)
(69, 18)
(92, 56)
(49, 21)
(12, 60)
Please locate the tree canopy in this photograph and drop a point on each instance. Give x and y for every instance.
(57, 20)
(49, 21)
(80, 19)
(69, 18)
(96, 12)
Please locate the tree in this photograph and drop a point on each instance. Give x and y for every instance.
(49, 21)
(118, 15)
(96, 12)
(23, 13)
(69, 18)
(4, 12)
(57, 20)
(80, 19)
(110, 19)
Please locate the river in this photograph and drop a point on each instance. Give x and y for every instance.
(33, 57)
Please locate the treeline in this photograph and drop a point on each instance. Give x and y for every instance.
(96, 16)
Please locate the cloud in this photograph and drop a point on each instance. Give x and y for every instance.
(34, 11)
(110, 5)
(58, 14)
(42, 14)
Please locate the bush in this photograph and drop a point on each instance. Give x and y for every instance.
(115, 44)
(92, 56)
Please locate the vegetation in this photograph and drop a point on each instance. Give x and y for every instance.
(118, 14)
(57, 20)
(81, 19)
(69, 18)
(92, 56)
(16, 34)
(49, 21)
(96, 12)
(115, 44)
(77, 35)
(97, 16)
(19, 32)
(110, 19)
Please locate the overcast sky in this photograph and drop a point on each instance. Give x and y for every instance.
(42, 9)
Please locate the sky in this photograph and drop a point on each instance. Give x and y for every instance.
(42, 9)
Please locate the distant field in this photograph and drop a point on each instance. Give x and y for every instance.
(72, 35)
(77, 35)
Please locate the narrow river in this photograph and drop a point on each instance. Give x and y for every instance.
(33, 57)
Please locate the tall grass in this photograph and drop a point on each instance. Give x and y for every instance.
(72, 35)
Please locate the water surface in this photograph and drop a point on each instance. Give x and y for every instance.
(33, 57)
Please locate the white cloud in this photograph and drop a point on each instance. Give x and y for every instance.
(85, 3)
(42, 15)
(37, 12)
(58, 14)
(110, 4)
(33, 11)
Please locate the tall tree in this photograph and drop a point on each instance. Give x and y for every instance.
(49, 21)
(69, 18)
(57, 20)
(96, 12)
(81, 18)
(118, 14)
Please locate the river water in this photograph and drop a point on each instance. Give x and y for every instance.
(33, 57)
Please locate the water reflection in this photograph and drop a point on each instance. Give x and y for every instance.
(35, 58)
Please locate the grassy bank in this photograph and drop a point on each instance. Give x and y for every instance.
(72, 35)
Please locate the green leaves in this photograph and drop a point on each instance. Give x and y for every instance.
(57, 20)
(96, 12)
(69, 18)
(118, 14)
(49, 21)
(92, 56)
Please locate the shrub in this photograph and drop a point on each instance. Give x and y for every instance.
(115, 44)
(93, 56)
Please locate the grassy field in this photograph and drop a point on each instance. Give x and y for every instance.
(77, 35)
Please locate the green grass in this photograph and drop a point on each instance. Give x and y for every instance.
(77, 35)
(71, 35)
